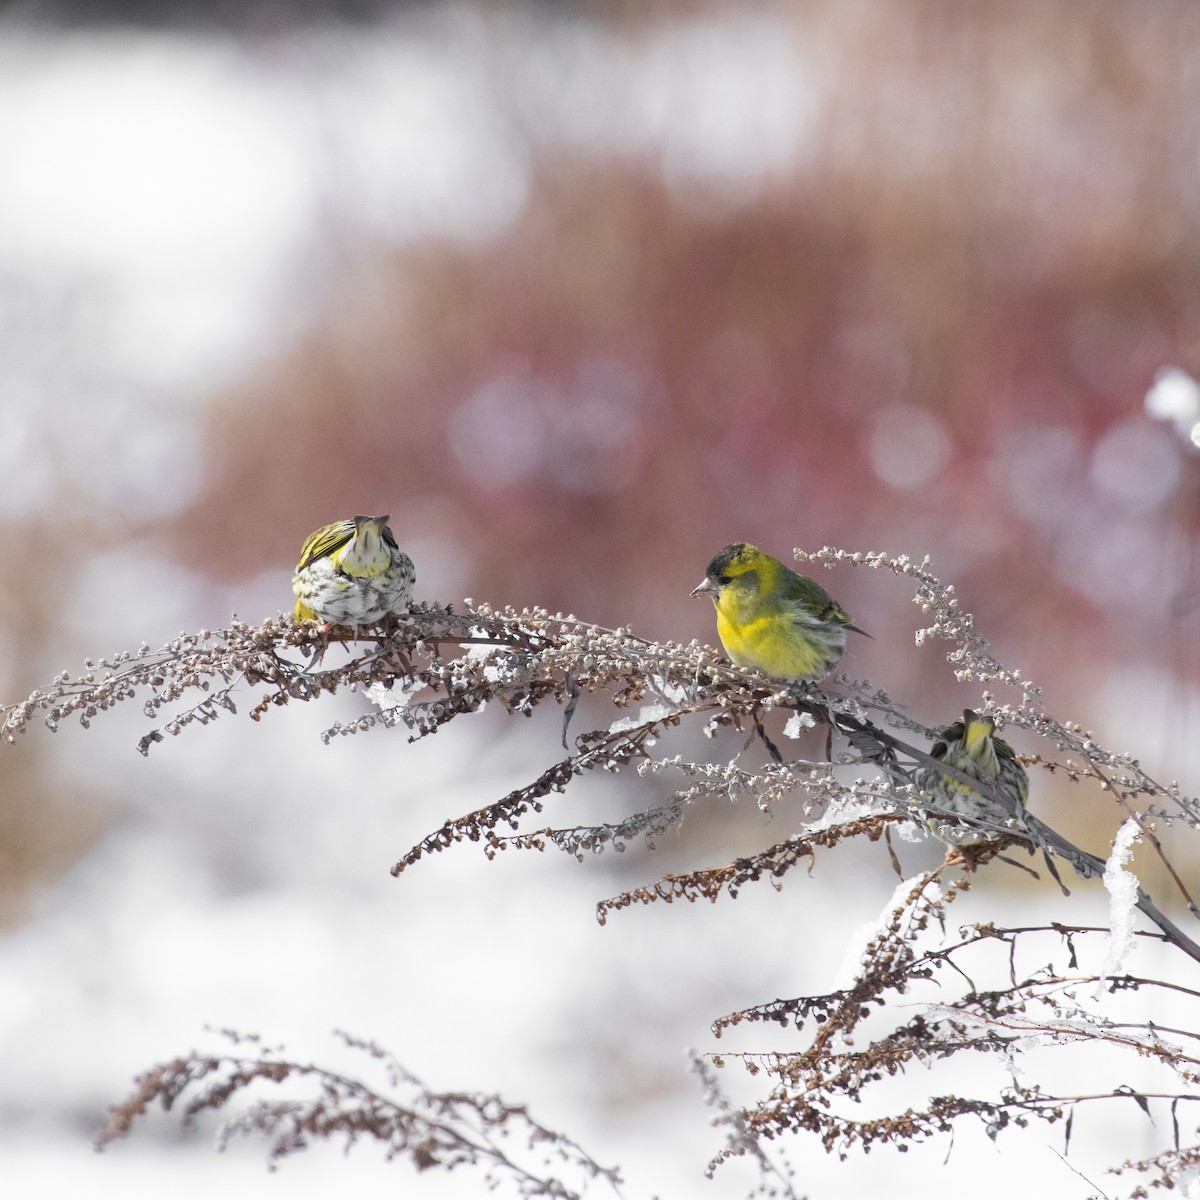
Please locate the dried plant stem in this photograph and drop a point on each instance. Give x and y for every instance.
(435, 665)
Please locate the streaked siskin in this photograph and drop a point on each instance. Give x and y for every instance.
(971, 745)
(768, 617)
(352, 573)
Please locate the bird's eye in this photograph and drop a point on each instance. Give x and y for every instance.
(724, 579)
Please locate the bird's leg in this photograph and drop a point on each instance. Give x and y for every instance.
(319, 652)
(323, 637)
(803, 701)
(819, 712)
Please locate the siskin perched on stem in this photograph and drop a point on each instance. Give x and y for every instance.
(971, 746)
(352, 573)
(768, 617)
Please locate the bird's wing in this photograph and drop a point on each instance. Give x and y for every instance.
(325, 541)
(810, 602)
(1006, 756)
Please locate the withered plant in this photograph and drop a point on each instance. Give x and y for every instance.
(923, 993)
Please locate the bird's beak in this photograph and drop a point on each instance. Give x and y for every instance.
(705, 585)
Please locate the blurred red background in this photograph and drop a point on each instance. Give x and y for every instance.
(930, 331)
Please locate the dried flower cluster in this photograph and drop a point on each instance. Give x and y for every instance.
(443, 1130)
(437, 664)
(817, 1090)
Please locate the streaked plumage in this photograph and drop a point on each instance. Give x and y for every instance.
(786, 625)
(352, 573)
(971, 746)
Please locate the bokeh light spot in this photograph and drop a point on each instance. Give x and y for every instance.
(1042, 468)
(909, 446)
(1137, 463)
(520, 428)
(1175, 396)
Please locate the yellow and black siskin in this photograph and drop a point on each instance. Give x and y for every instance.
(768, 617)
(971, 746)
(352, 573)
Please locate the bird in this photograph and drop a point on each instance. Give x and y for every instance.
(786, 625)
(352, 573)
(971, 746)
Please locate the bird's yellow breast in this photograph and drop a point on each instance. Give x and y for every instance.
(772, 642)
